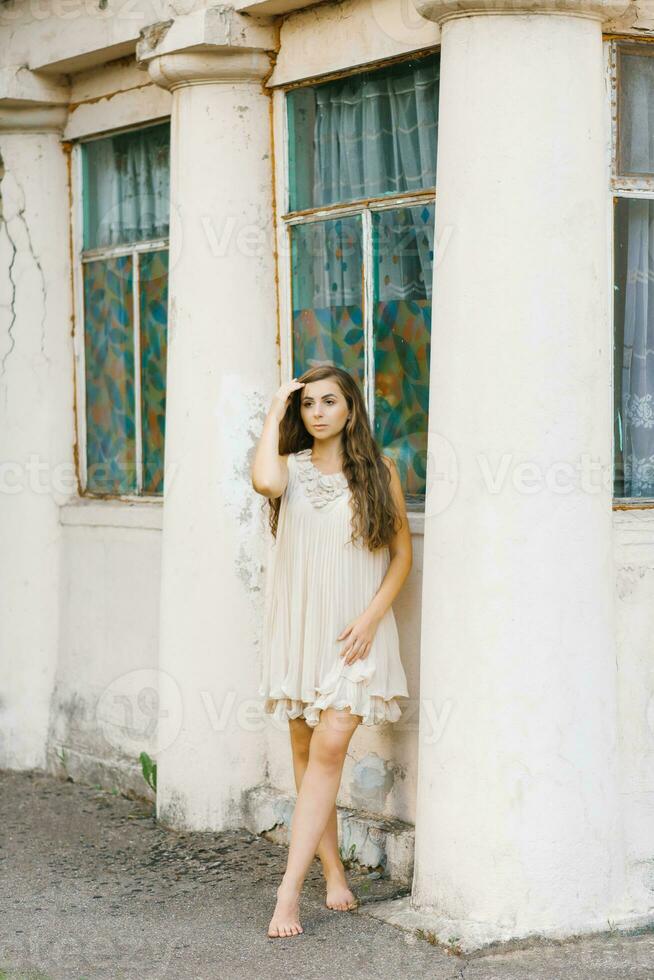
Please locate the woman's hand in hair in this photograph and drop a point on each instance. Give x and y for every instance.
(359, 635)
(269, 471)
(281, 396)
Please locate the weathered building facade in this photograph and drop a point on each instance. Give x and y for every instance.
(452, 200)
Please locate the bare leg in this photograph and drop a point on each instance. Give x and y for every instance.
(315, 802)
(339, 897)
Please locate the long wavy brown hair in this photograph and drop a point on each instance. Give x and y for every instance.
(375, 517)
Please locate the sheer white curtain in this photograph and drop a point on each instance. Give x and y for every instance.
(637, 395)
(404, 253)
(373, 135)
(636, 114)
(376, 135)
(127, 187)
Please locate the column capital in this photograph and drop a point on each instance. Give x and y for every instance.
(443, 10)
(208, 46)
(183, 68)
(30, 102)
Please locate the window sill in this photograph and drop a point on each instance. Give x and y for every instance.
(623, 504)
(94, 512)
(416, 522)
(634, 535)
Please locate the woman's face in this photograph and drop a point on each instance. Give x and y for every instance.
(323, 408)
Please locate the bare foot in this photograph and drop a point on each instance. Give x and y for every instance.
(286, 917)
(339, 896)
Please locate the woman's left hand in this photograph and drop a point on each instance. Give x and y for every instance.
(359, 634)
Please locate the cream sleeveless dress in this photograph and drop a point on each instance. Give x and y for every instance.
(318, 582)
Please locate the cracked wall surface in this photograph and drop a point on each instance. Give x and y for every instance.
(36, 430)
(13, 223)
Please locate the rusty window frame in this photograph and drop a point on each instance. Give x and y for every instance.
(80, 257)
(365, 207)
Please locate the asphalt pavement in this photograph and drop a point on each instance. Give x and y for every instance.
(91, 886)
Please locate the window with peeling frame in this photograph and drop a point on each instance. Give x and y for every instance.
(632, 76)
(359, 223)
(123, 292)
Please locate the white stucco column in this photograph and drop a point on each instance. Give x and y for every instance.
(36, 406)
(518, 818)
(222, 370)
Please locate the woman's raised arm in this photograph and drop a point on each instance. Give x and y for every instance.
(269, 469)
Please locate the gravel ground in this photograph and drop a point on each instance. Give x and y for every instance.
(92, 887)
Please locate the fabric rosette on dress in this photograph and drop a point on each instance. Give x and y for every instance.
(322, 488)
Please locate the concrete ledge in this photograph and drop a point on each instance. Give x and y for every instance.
(370, 840)
(20, 85)
(268, 8)
(93, 512)
(219, 28)
(81, 767)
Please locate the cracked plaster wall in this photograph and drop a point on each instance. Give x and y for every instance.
(36, 432)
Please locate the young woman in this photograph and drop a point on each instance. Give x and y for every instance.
(330, 648)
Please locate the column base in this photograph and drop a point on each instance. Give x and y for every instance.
(462, 937)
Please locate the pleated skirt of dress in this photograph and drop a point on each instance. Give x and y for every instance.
(318, 582)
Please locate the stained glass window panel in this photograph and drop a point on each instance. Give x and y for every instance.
(109, 365)
(152, 322)
(327, 290)
(403, 245)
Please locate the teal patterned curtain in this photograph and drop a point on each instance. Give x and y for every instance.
(328, 295)
(109, 363)
(403, 254)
